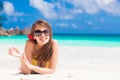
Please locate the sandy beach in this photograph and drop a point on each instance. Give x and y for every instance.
(74, 63)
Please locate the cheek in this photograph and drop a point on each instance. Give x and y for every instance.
(35, 37)
(48, 38)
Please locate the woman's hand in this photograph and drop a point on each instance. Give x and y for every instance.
(15, 52)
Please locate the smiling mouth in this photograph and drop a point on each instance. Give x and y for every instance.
(43, 39)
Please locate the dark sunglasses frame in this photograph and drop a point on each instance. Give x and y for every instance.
(38, 33)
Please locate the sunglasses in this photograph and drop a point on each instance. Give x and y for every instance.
(38, 33)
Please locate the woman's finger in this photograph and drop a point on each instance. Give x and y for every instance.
(10, 51)
(16, 49)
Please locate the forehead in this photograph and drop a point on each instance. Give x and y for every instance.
(40, 28)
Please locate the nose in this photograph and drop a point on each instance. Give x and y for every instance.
(42, 35)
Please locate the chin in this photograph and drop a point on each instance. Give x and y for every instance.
(45, 42)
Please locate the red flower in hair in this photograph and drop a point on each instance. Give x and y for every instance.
(30, 37)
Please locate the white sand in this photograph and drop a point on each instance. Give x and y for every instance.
(75, 63)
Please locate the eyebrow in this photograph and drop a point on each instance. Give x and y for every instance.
(40, 29)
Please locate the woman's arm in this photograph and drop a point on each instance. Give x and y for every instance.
(28, 53)
(52, 64)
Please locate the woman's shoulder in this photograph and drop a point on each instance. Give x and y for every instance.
(30, 43)
(54, 42)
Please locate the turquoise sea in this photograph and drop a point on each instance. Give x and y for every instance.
(70, 40)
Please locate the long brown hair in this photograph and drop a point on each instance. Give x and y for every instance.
(45, 52)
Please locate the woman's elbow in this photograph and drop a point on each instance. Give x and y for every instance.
(26, 72)
(52, 71)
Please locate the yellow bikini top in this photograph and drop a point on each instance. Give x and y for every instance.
(34, 62)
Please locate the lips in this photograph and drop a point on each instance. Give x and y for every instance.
(43, 39)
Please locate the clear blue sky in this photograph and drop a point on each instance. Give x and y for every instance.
(65, 16)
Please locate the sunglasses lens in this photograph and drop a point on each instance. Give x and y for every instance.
(46, 32)
(38, 33)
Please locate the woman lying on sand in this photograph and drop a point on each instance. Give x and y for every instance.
(41, 51)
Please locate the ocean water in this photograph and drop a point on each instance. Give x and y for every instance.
(70, 40)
